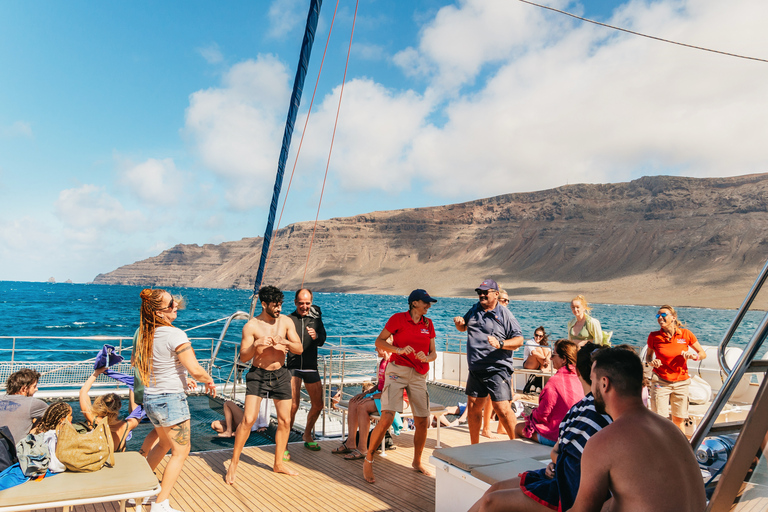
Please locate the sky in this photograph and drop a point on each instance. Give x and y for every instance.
(129, 127)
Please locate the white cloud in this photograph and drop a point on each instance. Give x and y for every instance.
(17, 129)
(367, 51)
(284, 16)
(211, 53)
(156, 182)
(237, 128)
(89, 211)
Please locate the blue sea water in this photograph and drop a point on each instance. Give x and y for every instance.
(67, 310)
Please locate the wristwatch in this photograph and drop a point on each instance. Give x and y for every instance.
(501, 344)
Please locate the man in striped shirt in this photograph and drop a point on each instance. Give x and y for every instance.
(556, 486)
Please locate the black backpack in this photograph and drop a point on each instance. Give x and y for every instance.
(7, 449)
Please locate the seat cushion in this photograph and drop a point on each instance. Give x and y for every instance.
(498, 472)
(495, 452)
(130, 474)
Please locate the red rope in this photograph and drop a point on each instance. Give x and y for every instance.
(333, 137)
(303, 132)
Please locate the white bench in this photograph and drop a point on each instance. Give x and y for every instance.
(130, 478)
(464, 473)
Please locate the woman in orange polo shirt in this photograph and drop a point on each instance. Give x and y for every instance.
(669, 349)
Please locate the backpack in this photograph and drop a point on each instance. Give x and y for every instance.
(7, 448)
(33, 455)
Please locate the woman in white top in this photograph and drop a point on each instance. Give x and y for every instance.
(163, 356)
(537, 355)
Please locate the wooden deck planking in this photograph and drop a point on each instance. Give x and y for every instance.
(325, 481)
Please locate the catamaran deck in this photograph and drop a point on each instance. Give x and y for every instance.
(325, 481)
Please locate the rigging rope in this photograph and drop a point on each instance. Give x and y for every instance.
(641, 34)
(303, 132)
(333, 137)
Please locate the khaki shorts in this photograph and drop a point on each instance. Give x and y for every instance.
(665, 393)
(399, 378)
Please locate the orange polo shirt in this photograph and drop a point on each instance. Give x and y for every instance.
(669, 349)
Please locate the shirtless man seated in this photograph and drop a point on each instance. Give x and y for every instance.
(641, 459)
(266, 339)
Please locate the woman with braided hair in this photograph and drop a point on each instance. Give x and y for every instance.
(162, 357)
(56, 414)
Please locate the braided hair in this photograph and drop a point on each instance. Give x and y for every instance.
(52, 417)
(151, 302)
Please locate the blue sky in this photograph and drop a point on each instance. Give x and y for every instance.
(129, 127)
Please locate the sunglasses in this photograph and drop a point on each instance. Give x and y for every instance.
(169, 306)
(661, 315)
(538, 335)
(504, 301)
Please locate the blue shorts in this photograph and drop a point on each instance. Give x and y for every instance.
(497, 383)
(166, 409)
(543, 440)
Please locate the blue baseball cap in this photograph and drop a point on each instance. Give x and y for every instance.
(420, 294)
(488, 284)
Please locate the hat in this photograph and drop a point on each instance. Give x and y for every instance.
(488, 284)
(420, 294)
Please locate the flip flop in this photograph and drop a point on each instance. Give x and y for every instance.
(286, 455)
(354, 455)
(342, 449)
(312, 445)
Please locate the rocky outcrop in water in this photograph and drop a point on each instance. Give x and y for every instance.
(658, 239)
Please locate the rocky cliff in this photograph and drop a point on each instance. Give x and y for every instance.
(659, 239)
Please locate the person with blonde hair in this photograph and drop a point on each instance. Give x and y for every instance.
(163, 356)
(582, 327)
(668, 352)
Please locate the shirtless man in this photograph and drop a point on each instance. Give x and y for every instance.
(266, 340)
(642, 459)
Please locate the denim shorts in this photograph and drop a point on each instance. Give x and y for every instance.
(166, 409)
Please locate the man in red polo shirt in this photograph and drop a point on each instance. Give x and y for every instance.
(413, 348)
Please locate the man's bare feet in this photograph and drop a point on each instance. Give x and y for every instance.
(368, 470)
(230, 476)
(418, 466)
(284, 470)
(488, 434)
(226, 434)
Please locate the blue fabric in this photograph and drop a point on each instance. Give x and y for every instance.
(499, 322)
(543, 440)
(122, 377)
(166, 409)
(107, 357)
(541, 489)
(13, 476)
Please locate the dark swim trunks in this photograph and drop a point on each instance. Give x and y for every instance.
(275, 384)
(540, 489)
(308, 376)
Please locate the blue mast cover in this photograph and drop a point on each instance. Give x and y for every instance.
(293, 110)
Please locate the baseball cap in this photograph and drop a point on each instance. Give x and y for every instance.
(488, 284)
(420, 294)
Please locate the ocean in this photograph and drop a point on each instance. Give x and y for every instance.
(67, 310)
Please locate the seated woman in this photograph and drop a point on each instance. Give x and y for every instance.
(560, 393)
(56, 414)
(460, 410)
(537, 355)
(358, 415)
(106, 406)
(233, 415)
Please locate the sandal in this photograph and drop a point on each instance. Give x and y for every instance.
(342, 449)
(354, 455)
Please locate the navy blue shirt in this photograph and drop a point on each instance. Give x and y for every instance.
(498, 322)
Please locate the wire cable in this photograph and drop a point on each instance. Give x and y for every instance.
(641, 34)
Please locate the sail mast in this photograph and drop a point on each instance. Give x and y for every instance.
(293, 110)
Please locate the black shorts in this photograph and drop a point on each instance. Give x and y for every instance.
(496, 383)
(308, 376)
(275, 384)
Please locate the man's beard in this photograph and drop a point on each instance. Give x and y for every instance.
(599, 402)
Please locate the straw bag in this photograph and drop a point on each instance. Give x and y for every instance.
(87, 452)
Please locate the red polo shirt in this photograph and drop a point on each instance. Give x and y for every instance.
(669, 349)
(407, 333)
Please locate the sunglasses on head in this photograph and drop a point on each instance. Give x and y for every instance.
(661, 315)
